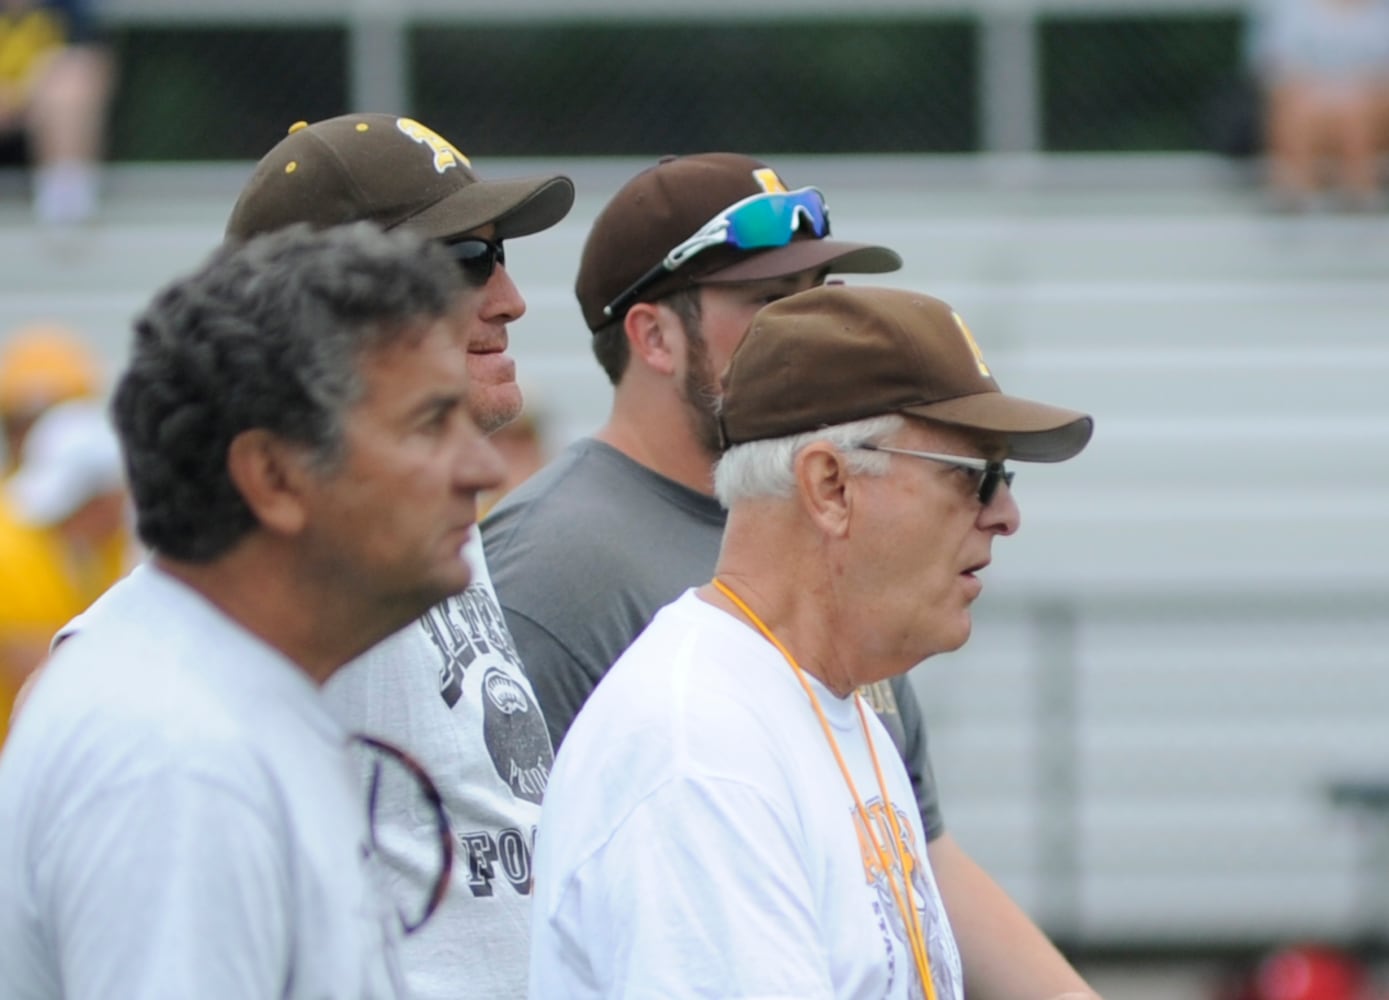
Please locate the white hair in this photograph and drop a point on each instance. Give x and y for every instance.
(766, 468)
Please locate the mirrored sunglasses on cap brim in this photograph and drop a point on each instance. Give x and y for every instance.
(759, 222)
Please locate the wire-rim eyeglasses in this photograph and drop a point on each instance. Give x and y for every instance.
(411, 920)
(989, 473)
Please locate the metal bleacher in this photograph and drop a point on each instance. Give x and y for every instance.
(1187, 642)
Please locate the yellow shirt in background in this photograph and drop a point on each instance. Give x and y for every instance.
(42, 586)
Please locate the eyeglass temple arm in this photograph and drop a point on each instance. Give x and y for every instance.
(978, 464)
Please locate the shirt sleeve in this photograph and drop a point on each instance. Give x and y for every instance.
(701, 891)
(916, 755)
(170, 886)
(562, 683)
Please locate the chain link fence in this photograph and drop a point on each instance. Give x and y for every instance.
(1117, 84)
(1103, 82)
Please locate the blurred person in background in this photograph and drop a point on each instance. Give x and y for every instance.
(1303, 972)
(40, 365)
(621, 523)
(448, 688)
(1324, 67)
(523, 447)
(55, 86)
(64, 536)
(180, 814)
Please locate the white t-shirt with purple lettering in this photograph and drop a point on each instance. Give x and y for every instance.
(699, 839)
(450, 691)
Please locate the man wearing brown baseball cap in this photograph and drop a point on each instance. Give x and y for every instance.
(673, 269)
(865, 482)
(396, 172)
(449, 688)
(841, 354)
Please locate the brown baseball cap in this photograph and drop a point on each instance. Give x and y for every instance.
(667, 203)
(392, 171)
(836, 354)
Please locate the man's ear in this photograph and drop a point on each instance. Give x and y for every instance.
(270, 475)
(822, 479)
(651, 336)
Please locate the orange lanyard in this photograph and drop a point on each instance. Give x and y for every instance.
(911, 919)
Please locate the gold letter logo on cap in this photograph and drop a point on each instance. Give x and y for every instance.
(768, 180)
(446, 154)
(973, 347)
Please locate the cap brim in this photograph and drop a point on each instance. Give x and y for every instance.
(517, 208)
(832, 256)
(1035, 432)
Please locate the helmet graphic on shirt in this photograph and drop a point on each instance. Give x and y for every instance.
(515, 735)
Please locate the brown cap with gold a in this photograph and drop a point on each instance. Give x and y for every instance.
(836, 354)
(666, 204)
(392, 171)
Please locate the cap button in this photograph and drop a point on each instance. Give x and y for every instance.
(296, 127)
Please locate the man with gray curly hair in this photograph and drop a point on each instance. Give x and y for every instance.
(727, 817)
(180, 814)
(449, 687)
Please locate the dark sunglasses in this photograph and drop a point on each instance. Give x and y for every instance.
(477, 258)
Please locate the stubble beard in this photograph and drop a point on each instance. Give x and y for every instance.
(495, 407)
(701, 392)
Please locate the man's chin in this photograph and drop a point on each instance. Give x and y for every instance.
(406, 606)
(966, 629)
(952, 638)
(447, 585)
(495, 406)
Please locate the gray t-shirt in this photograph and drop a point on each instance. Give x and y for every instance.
(583, 555)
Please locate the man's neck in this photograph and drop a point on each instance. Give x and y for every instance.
(663, 442)
(793, 616)
(317, 632)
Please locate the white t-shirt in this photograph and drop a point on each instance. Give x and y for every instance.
(450, 690)
(178, 818)
(698, 838)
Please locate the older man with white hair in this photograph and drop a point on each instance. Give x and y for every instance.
(726, 817)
